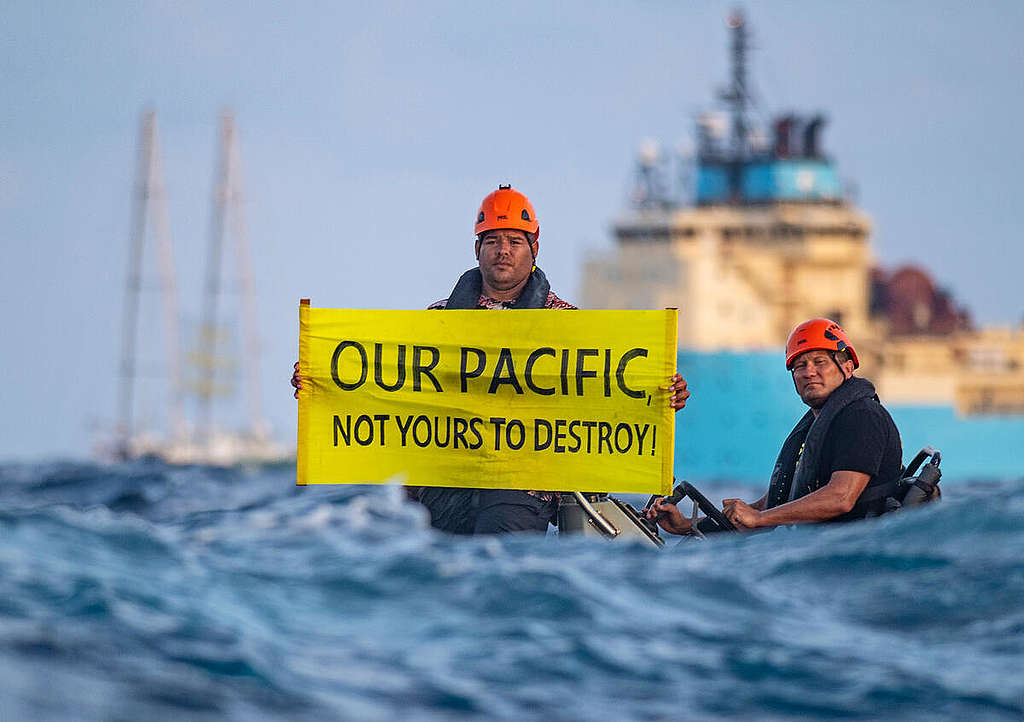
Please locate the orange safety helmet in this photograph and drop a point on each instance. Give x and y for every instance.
(507, 208)
(818, 334)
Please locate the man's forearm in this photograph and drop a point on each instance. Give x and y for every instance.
(835, 498)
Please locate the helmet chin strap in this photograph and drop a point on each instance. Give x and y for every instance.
(832, 355)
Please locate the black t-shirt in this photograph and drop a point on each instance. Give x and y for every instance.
(862, 438)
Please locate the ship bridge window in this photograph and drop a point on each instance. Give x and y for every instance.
(644, 235)
(851, 232)
(988, 359)
(785, 230)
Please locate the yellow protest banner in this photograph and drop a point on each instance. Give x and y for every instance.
(523, 399)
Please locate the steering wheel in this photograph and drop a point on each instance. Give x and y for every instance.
(713, 513)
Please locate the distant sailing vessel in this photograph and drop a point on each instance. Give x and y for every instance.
(165, 434)
(763, 237)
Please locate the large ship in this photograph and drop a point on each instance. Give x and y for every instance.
(765, 236)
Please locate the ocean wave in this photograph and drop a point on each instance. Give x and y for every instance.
(140, 590)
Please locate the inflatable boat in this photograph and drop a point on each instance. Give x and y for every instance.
(604, 516)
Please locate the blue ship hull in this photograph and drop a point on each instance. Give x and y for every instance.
(743, 405)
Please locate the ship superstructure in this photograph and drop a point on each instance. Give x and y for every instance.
(764, 237)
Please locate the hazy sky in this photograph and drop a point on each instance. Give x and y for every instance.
(370, 131)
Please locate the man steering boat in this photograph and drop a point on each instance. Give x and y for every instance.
(841, 460)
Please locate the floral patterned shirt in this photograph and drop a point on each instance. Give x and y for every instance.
(493, 304)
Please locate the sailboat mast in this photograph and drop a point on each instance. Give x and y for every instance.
(211, 290)
(240, 230)
(168, 289)
(133, 282)
(149, 201)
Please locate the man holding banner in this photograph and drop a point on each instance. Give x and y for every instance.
(506, 278)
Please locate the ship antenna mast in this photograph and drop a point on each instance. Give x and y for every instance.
(736, 97)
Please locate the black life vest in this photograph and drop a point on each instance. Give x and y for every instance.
(796, 473)
(470, 285)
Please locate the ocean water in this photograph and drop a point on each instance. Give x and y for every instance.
(141, 591)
